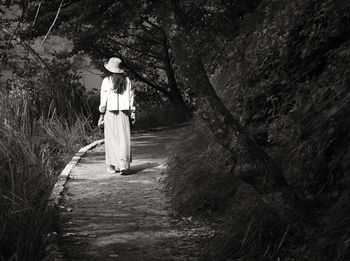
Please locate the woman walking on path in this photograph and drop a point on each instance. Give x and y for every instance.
(117, 109)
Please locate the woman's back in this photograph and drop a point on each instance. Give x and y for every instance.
(116, 92)
(118, 81)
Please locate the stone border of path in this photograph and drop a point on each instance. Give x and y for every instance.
(57, 193)
(62, 179)
(58, 189)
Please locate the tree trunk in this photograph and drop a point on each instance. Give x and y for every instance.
(170, 91)
(174, 93)
(254, 165)
(175, 98)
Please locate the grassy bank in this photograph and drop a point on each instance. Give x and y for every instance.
(41, 127)
(285, 77)
(150, 116)
(38, 138)
(197, 167)
(29, 165)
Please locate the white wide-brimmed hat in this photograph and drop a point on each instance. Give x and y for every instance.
(113, 65)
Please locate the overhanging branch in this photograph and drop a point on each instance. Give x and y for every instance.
(134, 49)
(130, 66)
(31, 50)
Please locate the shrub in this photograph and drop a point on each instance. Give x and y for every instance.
(24, 189)
(259, 234)
(286, 77)
(156, 115)
(28, 169)
(198, 177)
(38, 136)
(29, 165)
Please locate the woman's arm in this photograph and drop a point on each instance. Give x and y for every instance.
(131, 101)
(103, 96)
(103, 102)
(131, 96)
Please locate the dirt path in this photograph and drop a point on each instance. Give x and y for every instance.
(112, 217)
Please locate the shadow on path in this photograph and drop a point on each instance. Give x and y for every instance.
(108, 216)
(138, 168)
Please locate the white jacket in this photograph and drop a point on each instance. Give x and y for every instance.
(113, 101)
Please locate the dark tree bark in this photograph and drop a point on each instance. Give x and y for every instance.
(174, 94)
(171, 91)
(254, 165)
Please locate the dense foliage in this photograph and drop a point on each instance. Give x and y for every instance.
(293, 73)
(282, 70)
(44, 119)
(285, 75)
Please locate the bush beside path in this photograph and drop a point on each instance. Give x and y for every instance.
(112, 217)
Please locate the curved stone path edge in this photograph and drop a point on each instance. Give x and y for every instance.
(138, 226)
(58, 188)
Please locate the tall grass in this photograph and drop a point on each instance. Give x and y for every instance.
(252, 231)
(33, 149)
(28, 168)
(199, 183)
(24, 189)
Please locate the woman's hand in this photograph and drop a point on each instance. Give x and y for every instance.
(101, 121)
(132, 118)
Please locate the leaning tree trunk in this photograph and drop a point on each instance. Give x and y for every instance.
(175, 98)
(173, 92)
(254, 165)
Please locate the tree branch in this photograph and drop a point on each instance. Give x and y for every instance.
(31, 50)
(35, 18)
(153, 24)
(130, 66)
(142, 39)
(53, 23)
(148, 30)
(143, 79)
(135, 49)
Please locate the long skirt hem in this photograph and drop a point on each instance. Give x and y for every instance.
(117, 139)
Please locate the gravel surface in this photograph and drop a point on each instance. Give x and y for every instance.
(112, 217)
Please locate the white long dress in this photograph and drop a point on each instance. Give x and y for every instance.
(117, 124)
(117, 139)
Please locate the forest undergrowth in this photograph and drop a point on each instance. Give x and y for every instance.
(285, 76)
(282, 70)
(30, 164)
(43, 123)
